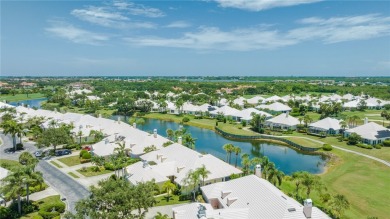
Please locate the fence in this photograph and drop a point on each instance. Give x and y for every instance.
(260, 136)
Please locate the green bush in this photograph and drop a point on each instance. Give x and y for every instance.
(37, 217)
(377, 146)
(327, 147)
(366, 146)
(85, 160)
(185, 197)
(239, 127)
(243, 123)
(186, 119)
(386, 143)
(224, 120)
(82, 152)
(216, 123)
(86, 155)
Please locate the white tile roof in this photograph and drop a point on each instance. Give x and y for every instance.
(246, 114)
(371, 131)
(189, 211)
(255, 99)
(226, 110)
(277, 107)
(284, 119)
(187, 159)
(259, 196)
(140, 172)
(327, 123)
(273, 98)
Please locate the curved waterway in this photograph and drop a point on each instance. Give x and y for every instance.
(207, 141)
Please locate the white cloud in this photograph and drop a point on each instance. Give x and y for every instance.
(178, 24)
(107, 17)
(332, 30)
(340, 29)
(259, 5)
(211, 38)
(138, 9)
(74, 34)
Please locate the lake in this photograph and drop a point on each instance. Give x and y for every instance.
(32, 103)
(286, 159)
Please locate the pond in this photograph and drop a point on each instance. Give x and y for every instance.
(32, 103)
(286, 159)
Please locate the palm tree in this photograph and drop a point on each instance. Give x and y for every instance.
(170, 134)
(297, 178)
(189, 141)
(13, 185)
(11, 127)
(355, 118)
(275, 176)
(169, 187)
(245, 162)
(311, 182)
(265, 164)
(32, 178)
(27, 159)
(229, 148)
(300, 119)
(120, 156)
(255, 161)
(203, 172)
(307, 119)
(80, 134)
(384, 114)
(343, 125)
(237, 150)
(21, 132)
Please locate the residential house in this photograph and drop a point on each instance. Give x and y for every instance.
(283, 121)
(328, 126)
(371, 132)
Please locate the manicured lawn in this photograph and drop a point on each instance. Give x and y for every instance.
(383, 153)
(19, 97)
(233, 128)
(73, 175)
(9, 164)
(201, 123)
(41, 202)
(174, 199)
(70, 161)
(56, 164)
(89, 172)
(305, 142)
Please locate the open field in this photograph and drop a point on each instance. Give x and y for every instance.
(19, 97)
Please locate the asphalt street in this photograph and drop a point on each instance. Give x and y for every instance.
(66, 186)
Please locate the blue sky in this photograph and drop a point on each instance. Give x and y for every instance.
(197, 38)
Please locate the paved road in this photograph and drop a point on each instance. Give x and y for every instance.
(64, 184)
(60, 182)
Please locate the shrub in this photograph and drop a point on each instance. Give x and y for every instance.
(85, 160)
(239, 127)
(86, 155)
(327, 147)
(37, 217)
(216, 123)
(51, 210)
(377, 146)
(366, 146)
(82, 152)
(243, 123)
(166, 144)
(186, 119)
(109, 166)
(224, 120)
(185, 197)
(354, 138)
(386, 143)
(95, 169)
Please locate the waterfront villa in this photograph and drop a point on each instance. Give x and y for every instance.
(371, 132)
(247, 197)
(226, 111)
(246, 114)
(284, 121)
(174, 162)
(328, 125)
(276, 107)
(255, 100)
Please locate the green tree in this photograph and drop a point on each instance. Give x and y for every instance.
(117, 199)
(27, 159)
(229, 148)
(237, 151)
(12, 128)
(54, 137)
(275, 176)
(245, 162)
(159, 215)
(13, 186)
(203, 172)
(354, 138)
(170, 134)
(169, 188)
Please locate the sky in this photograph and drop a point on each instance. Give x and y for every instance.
(195, 38)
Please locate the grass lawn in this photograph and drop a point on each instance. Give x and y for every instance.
(41, 202)
(234, 129)
(174, 199)
(9, 164)
(383, 153)
(19, 97)
(70, 161)
(73, 175)
(201, 123)
(305, 142)
(90, 173)
(56, 164)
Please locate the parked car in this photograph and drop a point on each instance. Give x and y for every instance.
(87, 148)
(38, 153)
(63, 152)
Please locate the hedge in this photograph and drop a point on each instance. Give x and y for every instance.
(366, 146)
(327, 147)
(46, 211)
(386, 143)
